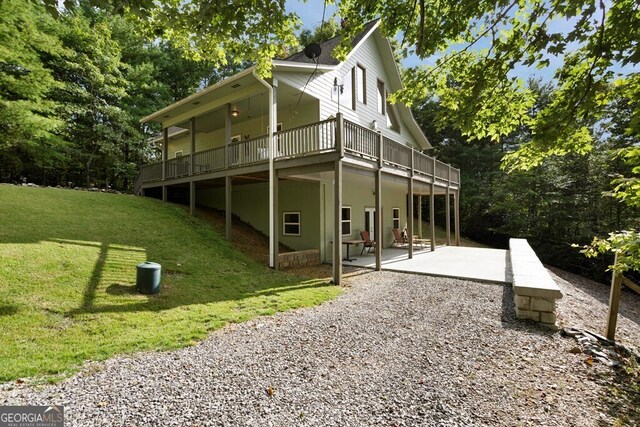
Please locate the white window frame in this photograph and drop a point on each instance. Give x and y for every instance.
(392, 118)
(382, 100)
(285, 223)
(345, 93)
(345, 221)
(361, 84)
(395, 218)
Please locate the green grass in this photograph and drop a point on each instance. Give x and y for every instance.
(67, 277)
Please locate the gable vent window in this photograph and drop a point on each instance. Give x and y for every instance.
(382, 102)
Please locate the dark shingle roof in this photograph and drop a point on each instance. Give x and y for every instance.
(326, 57)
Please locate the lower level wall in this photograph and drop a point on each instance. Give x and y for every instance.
(299, 259)
(250, 202)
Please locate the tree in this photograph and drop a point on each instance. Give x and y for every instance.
(477, 45)
(554, 205)
(27, 120)
(321, 33)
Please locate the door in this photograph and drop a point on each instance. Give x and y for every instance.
(370, 221)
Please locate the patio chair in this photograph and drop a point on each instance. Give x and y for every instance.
(368, 243)
(399, 238)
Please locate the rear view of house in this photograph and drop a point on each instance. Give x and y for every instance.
(311, 157)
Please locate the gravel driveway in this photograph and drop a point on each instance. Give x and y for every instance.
(394, 349)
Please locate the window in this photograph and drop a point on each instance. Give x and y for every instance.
(346, 221)
(291, 223)
(179, 153)
(361, 82)
(382, 102)
(344, 91)
(396, 218)
(392, 118)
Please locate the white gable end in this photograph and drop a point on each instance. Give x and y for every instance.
(377, 67)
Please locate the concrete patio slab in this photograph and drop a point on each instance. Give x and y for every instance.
(491, 265)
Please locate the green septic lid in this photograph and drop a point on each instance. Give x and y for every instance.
(149, 265)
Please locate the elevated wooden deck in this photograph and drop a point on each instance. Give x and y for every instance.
(302, 147)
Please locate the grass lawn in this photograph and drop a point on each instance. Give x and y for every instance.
(67, 277)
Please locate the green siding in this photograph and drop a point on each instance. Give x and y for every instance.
(250, 202)
(359, 197)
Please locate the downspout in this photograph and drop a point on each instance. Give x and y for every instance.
(272, 126)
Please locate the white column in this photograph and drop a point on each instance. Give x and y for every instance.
(273, 238)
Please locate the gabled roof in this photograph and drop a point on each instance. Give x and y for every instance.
(326, 56)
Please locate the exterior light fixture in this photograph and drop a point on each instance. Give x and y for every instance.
(374, 125)
(235, 113)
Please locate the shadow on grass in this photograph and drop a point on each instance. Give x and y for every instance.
(174, 293)
(121, 289)
(8, 310)
(161, 302)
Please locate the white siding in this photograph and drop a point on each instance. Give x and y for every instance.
(321, 87)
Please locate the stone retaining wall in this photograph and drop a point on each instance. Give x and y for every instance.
(299, 259)
(535, 292)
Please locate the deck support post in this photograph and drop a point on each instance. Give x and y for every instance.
(432, 207)
(420, 216)
(448, 213)
(410, 205)
(456, 202)
(192, 167)
(192, 198)
(165, 157)
(378, 213)
(410, 218)
(273, 119)
(227, 206)
(432, 216)
(276, 217)
(378, 220)
(337, 223)
(448, 207)
(614, 303)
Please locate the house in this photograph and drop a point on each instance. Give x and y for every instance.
(309, 156)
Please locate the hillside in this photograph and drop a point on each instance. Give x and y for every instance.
(67, 276)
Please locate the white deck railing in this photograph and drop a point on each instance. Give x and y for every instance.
(302, 141)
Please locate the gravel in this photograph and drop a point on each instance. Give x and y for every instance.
(394, 349)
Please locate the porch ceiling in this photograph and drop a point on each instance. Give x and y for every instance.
(251, 107)
(366, 179)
